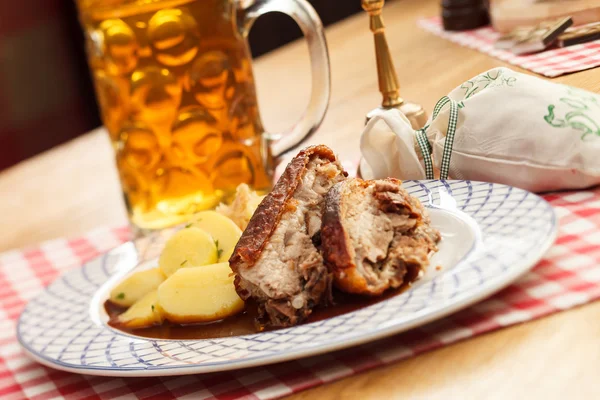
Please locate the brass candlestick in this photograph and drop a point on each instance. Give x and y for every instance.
(388, 80)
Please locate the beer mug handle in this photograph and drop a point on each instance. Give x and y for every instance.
(307, 19)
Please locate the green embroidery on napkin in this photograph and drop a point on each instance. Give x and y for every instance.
(584, 107)
(487, 80)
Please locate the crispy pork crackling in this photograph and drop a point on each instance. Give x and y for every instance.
(277, 261)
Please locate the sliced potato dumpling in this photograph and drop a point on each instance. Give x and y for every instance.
(223, 230)
(200, 294)
(190, 247)
(136, 286)
(144, 313)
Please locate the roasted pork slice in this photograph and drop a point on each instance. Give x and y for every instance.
(375, 235)
(277, 262)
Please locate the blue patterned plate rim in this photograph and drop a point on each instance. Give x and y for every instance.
(491, 218)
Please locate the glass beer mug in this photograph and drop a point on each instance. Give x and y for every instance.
(176, 91)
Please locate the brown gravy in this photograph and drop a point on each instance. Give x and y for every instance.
(243, 323)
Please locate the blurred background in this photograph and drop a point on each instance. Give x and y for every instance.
(46, 93)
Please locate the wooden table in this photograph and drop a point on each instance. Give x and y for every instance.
(73, 188)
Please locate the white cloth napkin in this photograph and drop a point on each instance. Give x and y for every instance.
(501, 126)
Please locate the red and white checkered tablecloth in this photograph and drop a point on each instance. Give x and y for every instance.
(568, 276)
(550, 63)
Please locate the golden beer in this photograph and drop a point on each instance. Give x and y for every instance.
(176, 91)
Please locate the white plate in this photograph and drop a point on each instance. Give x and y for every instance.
(491, 233)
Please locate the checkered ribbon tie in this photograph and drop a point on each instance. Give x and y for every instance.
(425, 146)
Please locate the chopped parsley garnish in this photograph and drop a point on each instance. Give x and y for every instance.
(152, 306)
(121, 296)
(219, 251)
(183, 263)
(189, 224)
